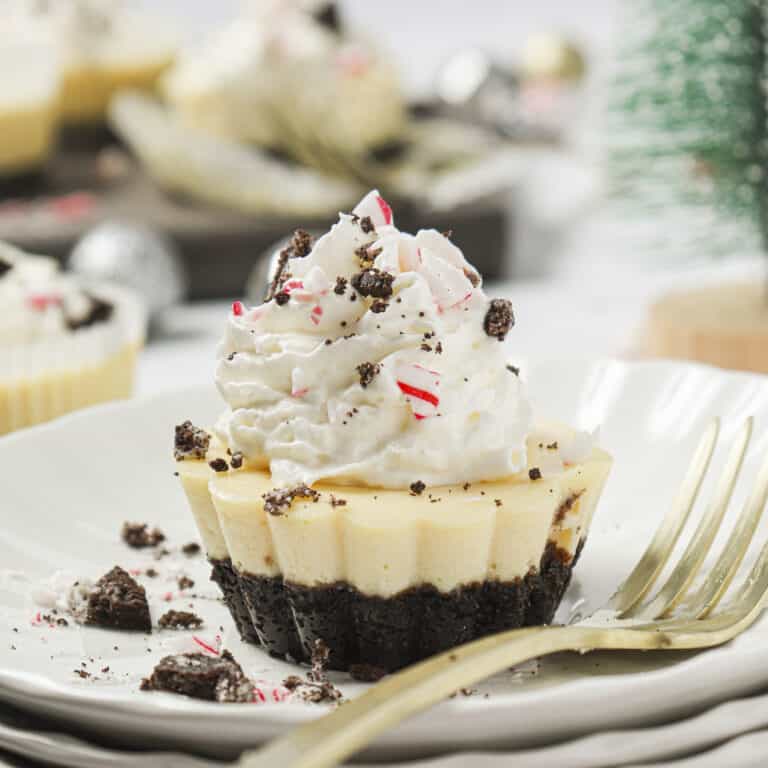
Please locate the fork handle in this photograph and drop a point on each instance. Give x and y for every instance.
(331, 738)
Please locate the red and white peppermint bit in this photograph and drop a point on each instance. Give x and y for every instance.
(41, 301)
(376, 207)
(293, 285)
(421, 388)
(386, 211)
(317, 313)
(237, 308)
(210, 646)
(264, 693)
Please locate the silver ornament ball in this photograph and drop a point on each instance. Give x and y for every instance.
(135, 256)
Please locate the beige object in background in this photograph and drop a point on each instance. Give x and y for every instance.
(29, 81)
(43, 379)
(724, 325)
(88, 86)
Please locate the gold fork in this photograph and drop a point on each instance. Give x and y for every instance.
(626, 622)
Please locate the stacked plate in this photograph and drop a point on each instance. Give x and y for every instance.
(66, 488)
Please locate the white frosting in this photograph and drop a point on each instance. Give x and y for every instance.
(297, 404)
(36, 298)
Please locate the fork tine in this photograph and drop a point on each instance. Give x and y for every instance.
(700, 544)
(645, 573)
(718, 581)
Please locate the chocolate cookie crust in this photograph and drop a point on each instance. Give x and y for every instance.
(391, 633)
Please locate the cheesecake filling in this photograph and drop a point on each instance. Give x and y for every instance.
(376, 361)
(383, 542)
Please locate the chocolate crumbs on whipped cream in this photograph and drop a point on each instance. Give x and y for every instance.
(368, 372)
(190, 442)
(341, 285)
(373, 282)
(279, 500)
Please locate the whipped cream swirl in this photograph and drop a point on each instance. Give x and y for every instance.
(372, 365)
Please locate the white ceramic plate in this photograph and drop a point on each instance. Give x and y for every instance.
(66, 488)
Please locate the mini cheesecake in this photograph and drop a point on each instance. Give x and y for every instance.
(387, 577)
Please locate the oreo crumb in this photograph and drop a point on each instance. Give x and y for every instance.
(280, 499)
(367, 372)
(218, 465)
(180, 620)
(341, 285)
(118, 602)
(498, 502)
(472, 276)
(552, 446)
(138, 535)
(499, 318)
(282, 298)
(185, 582)
(373, 282)
(199, 676)
(336, 502)
(82, 673)
(62, 622)
(367, 225)
(513, 369)
(439, 348)
(190, 549)
(237, 460)
(417, 488)
(466, 486)
(534, 473)
(366, 673)
(425, 347)
(190, 442)
(152, 573)
(366, 255)
(379, 306)
(316, 688)
(301, 243)
(5, 267)
(231, 356)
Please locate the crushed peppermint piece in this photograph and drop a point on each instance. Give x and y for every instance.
(373, 282)
(190, 442)
(237, 308)
(367, 372)
(417, 488)
(139, 536)
(499, 318)
(277, 501)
